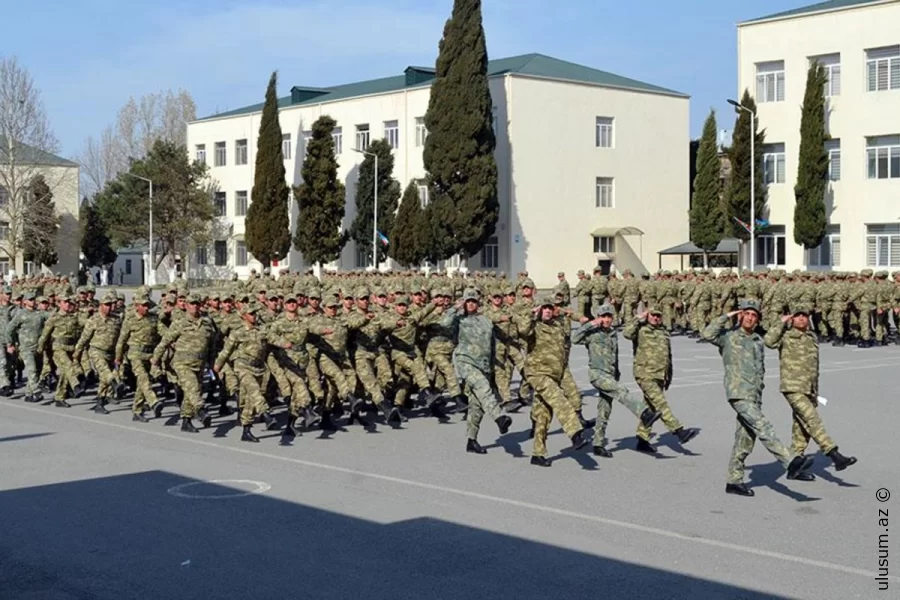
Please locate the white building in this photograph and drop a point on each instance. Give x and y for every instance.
(593, 167)
(858, 41)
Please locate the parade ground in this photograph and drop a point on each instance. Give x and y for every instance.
(100, 507)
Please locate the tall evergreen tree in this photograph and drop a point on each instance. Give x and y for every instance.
(810, 221)
(95, 243)
(320, 198)
(268, 231)
(409, 232)
(438, 218)
(40, 224)
(706, 214)
(388, 197)
(738, 194)
(459, 149)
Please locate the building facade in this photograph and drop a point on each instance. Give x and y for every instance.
(858, 43)
(573, 149)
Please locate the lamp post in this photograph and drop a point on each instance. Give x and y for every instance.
(151, 273)
(738, 106)
(374, 211)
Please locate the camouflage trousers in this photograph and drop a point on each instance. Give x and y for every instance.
(441, 363)
(278, 374)
(882, 324)
(296, 377)
(229, 379)
(101, 361)
(367, 375)
(482, 399)
(822, 319)
(700, 316)
(752, 424)
(409, 370)
(655, 397)
(609, 390)
(837, 319)
(570, 389)
(251, 392)
(549, 398)
(502, 373)
(4, 367)
(864, 322)
(340, 378)
(144, 396)
(32, 363)
(517, 362)
(807, 423)
(190, 380)
(68, 371)
(668, 316)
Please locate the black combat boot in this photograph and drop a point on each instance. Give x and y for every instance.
(291, 430)
(802, 476)
(578, 441)
(310, 417)
(540, 461)
(325, 423)
(62, 404)
(602, 451)
(503, 422)
(474, 447)
(204, 417)
(140, 418)
(586, 423)
(247, 435)
(739, 489)
(391, 414)
(686, 435)
(188, 425)
(798, 465)
(99, 407)
(840, 461)
(271, 422)
(644, 446)
(158, 408)
(649, 417)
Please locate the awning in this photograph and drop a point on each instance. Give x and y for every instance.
(726, 246)
(615, 231)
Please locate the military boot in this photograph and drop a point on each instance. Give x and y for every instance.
(578, 441)
(540, 461)
(291, 429)
(62, 404)
(503, 422)
(99, 407)
(602, 451)
(473, 447)
(204, 417)
(158, 408)
(644, 446)
(686, 435)
(391, 414)
(247, 435)
(649, 417)
(739, 489)
(271, 422)
(310, 417)
(798, 465)
(585, 423)
(840, 461)
(188, 425)
(140, 418)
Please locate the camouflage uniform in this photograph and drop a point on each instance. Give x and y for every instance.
(500, 316)
(7, 311)
(61, 331)
(137, 340)
(24, 332)
(99, 337)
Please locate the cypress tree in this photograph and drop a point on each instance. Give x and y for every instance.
(739, 189)
(706, 214)
(459, 149)
(95, 242)
(812, 164)
(388, 197)
(40, 224)
(437, 229)
(408, 234)
(320, 198)
(268, 232)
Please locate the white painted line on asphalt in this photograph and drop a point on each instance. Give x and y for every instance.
(477, 496)
(260, 487)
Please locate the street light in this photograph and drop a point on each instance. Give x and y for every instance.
(740, 106)
(151, 274)
(374, 212)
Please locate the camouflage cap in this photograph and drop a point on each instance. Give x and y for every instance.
(561, 274)
(527, 283)
(193, 298)
(866, 273)
(471, 294)
(109, 298)
(606, 309)
(332, 300)
(362, 292)
(67, 298)
(801, 308)
(29, 295)
(42, 299)
(250, 309)
(749, 305)
(655, 310)
(443, 292)
(546, 301)
(314, 293)
(215, 296)
(379, 292)
(401, 299)
(141, 299)
(581, 272)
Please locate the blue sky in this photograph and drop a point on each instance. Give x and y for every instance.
(89, 56)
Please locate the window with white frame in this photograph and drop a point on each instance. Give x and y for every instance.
(240, 204)
(604, 192)
(604, 244)
(770, 81)
(286, 145)
(832, 65)
(421, 132)
(392, 133)
(362, 256)
(883, 69)
(883, 157)
(240, 152)
(200, 153)
(362, 137)
(423, 193)
(4, 267)
(771, 247)
(200, 255)
(337, 136)
(220, 159)
(604, 133)
(240, 253)
(220, 206)
(773, 163)
(833, 148)
(490, 253)
(220, 253)
(828, 253)
(306, 136)
(883, 245)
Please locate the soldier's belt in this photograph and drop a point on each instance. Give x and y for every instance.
(65, 342)
(104, 351)
(246, 362)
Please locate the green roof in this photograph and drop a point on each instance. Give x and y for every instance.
(28, 155)
(814, 8)
(533, 65)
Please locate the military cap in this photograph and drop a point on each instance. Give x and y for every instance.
(580, 272)
(215, 296)
(547, 301)
(527, 283)
(561, 274)
(41, 299)
(509, 290)
(332, 300)
(866, 273)
(801, 308)
(498, 293)
(314, 292)
(401, 300)
(749, 305)
(379, 292)
(250, 309)
(141, 299)
(262, 290)
(362, 292)
(29, 295)
(443, 292)
(89, 288)
(598, 269)
(881, 275)
(606, 309)
(193, 298)
(346, 292)
(654, 310)
(109, 298)
(471, 294)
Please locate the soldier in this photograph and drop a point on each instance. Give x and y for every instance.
(499, 314)
(61, 332)
(7, 311)
(582, 295)
(24, 332)
(603, 363)
(798, 351)
(137, 340)
(563, 288)
(653, 374)
(99, 337)
(473, 334)
(743, 354)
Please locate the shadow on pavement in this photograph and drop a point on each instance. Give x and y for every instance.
(24, 436)
(125, 537)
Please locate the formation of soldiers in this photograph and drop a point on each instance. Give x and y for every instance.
(353, 344)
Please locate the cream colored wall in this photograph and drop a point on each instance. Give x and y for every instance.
(853, 115)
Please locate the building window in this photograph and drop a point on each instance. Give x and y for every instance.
(423, 194)
(286, 145)
(240, 253)
(4, 267)
(362, 256)
(490, 254)
(770, 247)
(200, 153)
(421, 132)
(828, 253)
(4, 230)
(883, 69)
(128, 266)
(240, 152)
(337, 136)
(306, 136)
(219, 159)
(240, 204)
(773, 163)
(833, 148)
(832, 65)
(219, 204)
(770, 81)
(220, 248)
(453, 262)
(200, 255)
(883, 245)
(604, 192)
(604, 245)
(604, 132)
(883, 157)
(362, 137)
(392, 133)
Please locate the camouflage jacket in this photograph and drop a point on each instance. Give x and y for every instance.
(799, 357)
(474, 335)
(744, 357)
(652, 351)
(139, 335)
(603, 350)
(545, 343)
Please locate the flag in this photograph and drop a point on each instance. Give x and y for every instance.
(382, 237)
(742, 224)
(760, 224)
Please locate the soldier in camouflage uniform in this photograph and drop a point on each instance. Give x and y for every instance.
(24, 332)
(7, 310)
(798, 351)
(99, 337)
(743, 354)
(137, 341)
(582, 294)
(563, 288)
(59, 336)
